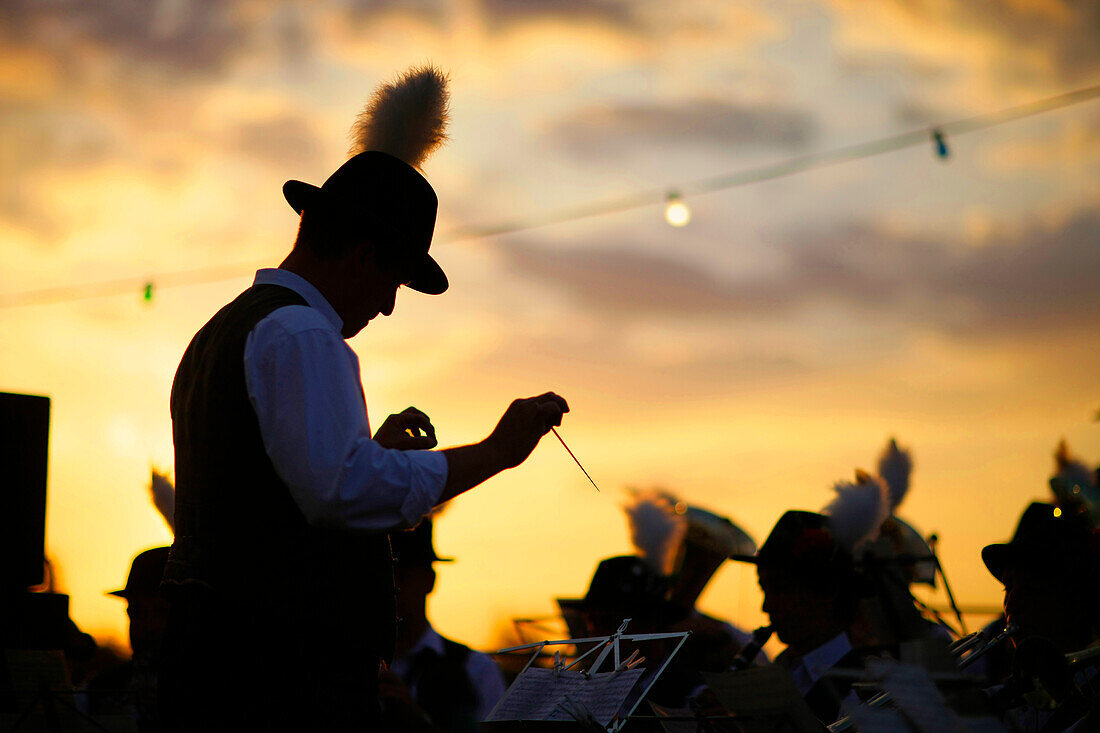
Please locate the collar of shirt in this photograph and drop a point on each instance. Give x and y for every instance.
(812, 666)
(287, 279)
(430, 639)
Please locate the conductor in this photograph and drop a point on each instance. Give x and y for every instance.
(280, 578)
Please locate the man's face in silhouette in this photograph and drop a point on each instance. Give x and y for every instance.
(374, 280)
(415, 583)
(148, 614)
(803, 617)
(1047, 602)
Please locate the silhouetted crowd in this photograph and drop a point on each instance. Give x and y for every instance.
(837, 589)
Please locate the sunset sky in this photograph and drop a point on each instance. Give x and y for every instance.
(745, 362)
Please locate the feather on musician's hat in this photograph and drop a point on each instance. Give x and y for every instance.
(380, 194)
(379, 189)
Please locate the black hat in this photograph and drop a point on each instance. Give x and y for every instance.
(413, 547)
(380, 194)
(145, 573)
(1044, 536)
(802, 542)
(624, 583)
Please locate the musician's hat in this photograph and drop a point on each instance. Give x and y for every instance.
(146, 572)
(802, 543)
(414, 547)
(624, 584)
(1045, 538)
(379, 190)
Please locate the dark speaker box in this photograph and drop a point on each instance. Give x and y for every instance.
(24, 449)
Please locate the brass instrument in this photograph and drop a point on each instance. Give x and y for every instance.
(1046, 679)
(981, 642)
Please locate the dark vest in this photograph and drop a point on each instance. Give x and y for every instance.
(305, 609)
(444, 690)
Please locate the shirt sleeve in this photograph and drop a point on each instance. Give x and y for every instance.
(303, 381)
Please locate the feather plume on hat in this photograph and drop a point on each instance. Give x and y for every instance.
(657, 528)
(1071, 469)
(163, 493)
(406, 118)
(895, 465)
(858, 510)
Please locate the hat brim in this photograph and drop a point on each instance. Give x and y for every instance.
(300, 194)
(996, 559)
(119, 593)
(426, 276)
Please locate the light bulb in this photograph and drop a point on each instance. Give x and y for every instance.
(677, 212)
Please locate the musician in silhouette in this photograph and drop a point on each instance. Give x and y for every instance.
(434, 683)
(280, 578)
(809, 587)
(1050, 573)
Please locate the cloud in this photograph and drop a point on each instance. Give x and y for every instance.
(1015, 43)
(702, 122)
(179, 37)
(288, 141)
(35, 138)
(612, 12)
(499, 15)
(1039, 276)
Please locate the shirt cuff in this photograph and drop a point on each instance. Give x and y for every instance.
(427, 477)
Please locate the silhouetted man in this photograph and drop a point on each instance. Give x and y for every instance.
(280, 577)
(1052, 597)
(434, 683)
(131, 688)
(808, 582)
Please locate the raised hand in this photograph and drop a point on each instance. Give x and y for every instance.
(409, 429)
(523, 425)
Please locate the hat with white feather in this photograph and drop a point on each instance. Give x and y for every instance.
(683, 542)
(823, 545)
(379, 189)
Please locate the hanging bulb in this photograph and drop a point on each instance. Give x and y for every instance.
(940, 142)
(677, 212)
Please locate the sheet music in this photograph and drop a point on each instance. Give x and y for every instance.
(540, 694)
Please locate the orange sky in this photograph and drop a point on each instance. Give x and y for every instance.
(745, 362)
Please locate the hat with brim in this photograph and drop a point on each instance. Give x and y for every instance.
(146, 572)
(802, 543)
(1045, 538)
(622, 583)
(386, 200)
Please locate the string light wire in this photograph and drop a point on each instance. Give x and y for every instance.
(637, 200)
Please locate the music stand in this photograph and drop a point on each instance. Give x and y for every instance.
(569, 697)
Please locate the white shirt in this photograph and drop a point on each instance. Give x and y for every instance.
(303, 381)
(812, 666)
(484, 675)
